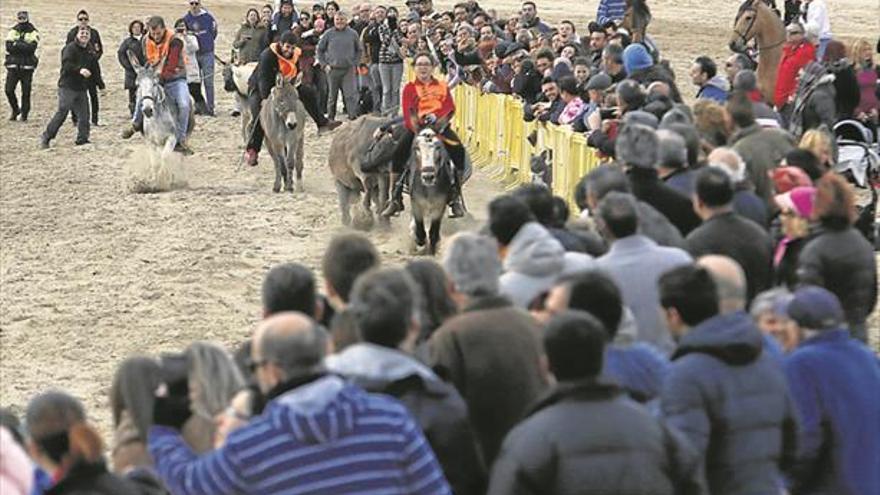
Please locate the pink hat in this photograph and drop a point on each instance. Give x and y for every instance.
(787, 178)
(319, 24)
(799, 200)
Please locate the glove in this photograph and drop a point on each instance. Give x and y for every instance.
(171, 411)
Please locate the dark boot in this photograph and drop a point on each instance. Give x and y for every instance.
(395, 205)
(456, 205)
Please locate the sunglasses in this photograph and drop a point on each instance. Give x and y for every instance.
(194, 3)
(82, 19)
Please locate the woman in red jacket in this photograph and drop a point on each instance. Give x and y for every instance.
(796, 54)
(427, 102)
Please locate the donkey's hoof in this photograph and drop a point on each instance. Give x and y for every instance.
(276, 189)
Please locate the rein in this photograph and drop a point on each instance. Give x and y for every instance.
(751, 25)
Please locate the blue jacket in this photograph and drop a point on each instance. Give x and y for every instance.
(715, 89)
(639, 368)
(610, 10)
(204, 26)
(731, 400)
(323, 437)
(835, 383)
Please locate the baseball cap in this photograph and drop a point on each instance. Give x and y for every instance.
(601, 82)
(815, 308)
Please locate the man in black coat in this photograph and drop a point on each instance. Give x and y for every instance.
(585, 435)
(95, 45)
(385, 303)
(77, 62)
(21, 62)
(727, 233)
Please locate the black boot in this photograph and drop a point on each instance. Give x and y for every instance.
(395, 205)
(456, 205)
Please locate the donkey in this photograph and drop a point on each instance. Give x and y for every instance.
(431, 187)
(235, 80)
(354, 145)
(283, 117)
(160, 115)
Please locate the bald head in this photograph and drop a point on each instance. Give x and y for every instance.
(287, 345)
(659, 88)
(730, 161)
(730, 279)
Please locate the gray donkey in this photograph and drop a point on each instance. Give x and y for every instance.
(160, 114)
(283, 117)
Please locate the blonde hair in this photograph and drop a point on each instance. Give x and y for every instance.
(856, 50)
(216, 375)
(818, 142)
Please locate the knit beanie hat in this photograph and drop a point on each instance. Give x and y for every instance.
(636, 57)
(800, 200)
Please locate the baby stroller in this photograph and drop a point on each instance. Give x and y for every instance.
(858, 160)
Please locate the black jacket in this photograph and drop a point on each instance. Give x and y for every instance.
(527, 84)
(133, 45)
(21, 47)
(73, 58)
(263, 78)
(588, 438)
(731, 400)
(737, 237)
(846, 89)
(93, 479)
(657, 72)
(647, 186)
(843, 262)
(96, 46)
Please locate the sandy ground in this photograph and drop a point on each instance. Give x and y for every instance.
(92, 273)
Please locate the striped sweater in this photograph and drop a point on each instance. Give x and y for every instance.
(324, 437)
(610, 10)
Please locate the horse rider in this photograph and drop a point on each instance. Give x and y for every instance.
(427, 102)
(163, 49)
(279, 59)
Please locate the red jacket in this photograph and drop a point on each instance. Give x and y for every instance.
(794, 58)
(421, 99)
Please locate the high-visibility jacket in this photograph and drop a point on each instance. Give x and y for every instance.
(421, 99)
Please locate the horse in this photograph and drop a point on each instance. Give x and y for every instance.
(235, 80)
(283, 118)
(160, 116)
(755, 20)
(636, 19)
(431, 187)
(352, 146)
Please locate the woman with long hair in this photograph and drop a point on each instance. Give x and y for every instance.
(867, 75)
(213, 380)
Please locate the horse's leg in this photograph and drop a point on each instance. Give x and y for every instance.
(419, 230)
(382, 199)
(343, 195)
(434, 235)
(287, 168)
(279, 169)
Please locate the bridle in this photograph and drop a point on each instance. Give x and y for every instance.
(748, 7)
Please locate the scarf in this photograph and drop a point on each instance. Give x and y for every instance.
(814, 75)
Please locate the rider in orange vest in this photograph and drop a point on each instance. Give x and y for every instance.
(427, 102)
(279, 59)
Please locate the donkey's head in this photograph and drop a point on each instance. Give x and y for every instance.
(428, 156)
(286, 102)
(149, 91)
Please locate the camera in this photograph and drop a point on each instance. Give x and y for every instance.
(608, 113)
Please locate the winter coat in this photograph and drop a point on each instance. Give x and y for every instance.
(527, 85)
(340, 48)
(21, 47)
(635, 263)
(834, 381)
(191, 61)
(868, 87)
(204, 27)
(639, 368)
(92, 479)
(815, 105)
(748, 205)
(785, 259)
(655, 226)
(588, 438)
(534, 261)
(715, 89)
(282, 24)
(741, 239)
(96, 46)
(794, 58)
(682, 180)
(762, 150)
(731, 400)
(436, 406)
(647, 187)
(846, 90)
(551, 115)
(73, 58)
(133, 45)
(391, 40)
(250, 41)
(372, 43)
(492, 354)
(322, 436)
(843, 262)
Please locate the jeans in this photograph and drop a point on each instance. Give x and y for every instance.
(178, 92)
(206, 67)
(342, 79)
(391, 75)
(376, 87)
(25, 77)
(75, 101)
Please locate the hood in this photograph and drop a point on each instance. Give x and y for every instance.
(732, 338)
(534, 251)
(318, 412)
(376, 363)
(588, 389)
(636, 57)
(719, 82)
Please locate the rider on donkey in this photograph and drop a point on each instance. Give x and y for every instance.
(279, 58)
(427, 102)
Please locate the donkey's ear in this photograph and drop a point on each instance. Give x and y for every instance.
(279, 80)
(298, 80)
(133, 59)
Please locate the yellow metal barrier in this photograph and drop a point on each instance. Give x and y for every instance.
(492, 128)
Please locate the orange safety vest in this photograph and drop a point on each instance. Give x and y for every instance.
(287, 66)
(157, 52)
(431, 96)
